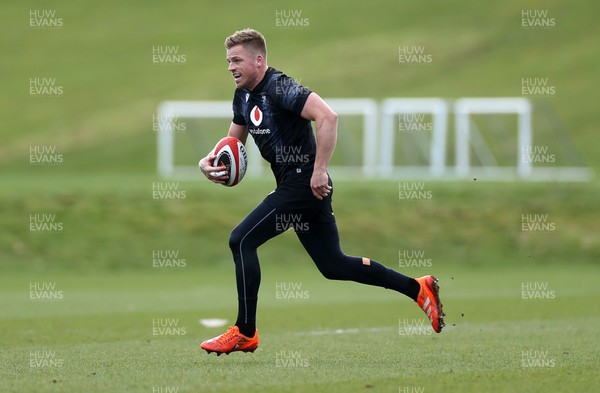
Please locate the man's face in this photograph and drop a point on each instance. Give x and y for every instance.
(245, 67)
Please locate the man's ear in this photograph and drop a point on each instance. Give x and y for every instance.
(260, 59)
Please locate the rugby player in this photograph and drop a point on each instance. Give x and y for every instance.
(277, 112)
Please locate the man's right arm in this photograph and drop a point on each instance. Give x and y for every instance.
(206, 164)
(239, 132)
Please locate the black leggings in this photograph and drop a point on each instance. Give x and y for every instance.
(321, 241)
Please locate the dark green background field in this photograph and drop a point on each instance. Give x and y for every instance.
(346, 336)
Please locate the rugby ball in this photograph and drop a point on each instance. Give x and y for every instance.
(231, 153)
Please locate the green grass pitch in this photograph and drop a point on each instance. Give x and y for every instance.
(140, 332)
(85, 310)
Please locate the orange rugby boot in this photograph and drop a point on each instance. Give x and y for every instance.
(429, 301)
(231, 341)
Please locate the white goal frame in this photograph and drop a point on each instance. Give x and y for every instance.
(166, 135)
(365, 107)
(379, 133)
(465, 107)
(391, 107)
(523, 169)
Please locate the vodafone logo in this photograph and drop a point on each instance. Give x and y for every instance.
(256, 116)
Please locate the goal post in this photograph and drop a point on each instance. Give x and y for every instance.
(392, 107)
(376, 140)
(367, 108)
(465, 107)
(171, 112)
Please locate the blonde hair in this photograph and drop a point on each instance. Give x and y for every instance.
(250, 38)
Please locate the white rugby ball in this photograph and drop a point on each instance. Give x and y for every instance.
(231, 153)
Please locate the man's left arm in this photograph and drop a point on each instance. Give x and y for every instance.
(315, 109)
